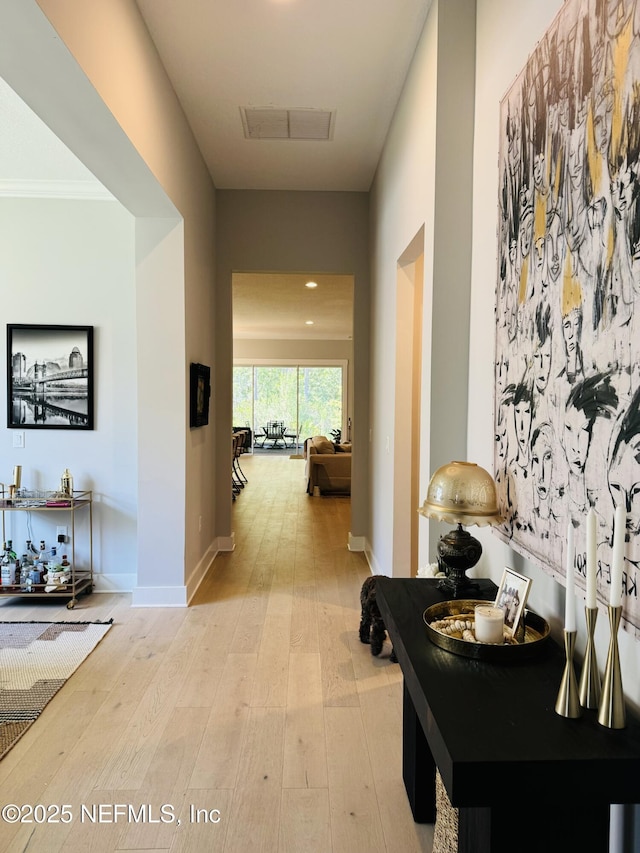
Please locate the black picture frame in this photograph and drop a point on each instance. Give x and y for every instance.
(512, 597)
(50, 377)
(200, 393)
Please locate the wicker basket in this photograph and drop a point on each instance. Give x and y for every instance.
(445, 833)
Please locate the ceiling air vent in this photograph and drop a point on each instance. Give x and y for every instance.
(277, 123)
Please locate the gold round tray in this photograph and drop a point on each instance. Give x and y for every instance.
(536, 634)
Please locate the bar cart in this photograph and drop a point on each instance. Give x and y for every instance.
(66, 506)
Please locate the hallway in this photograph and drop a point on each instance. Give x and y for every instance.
(258, 701)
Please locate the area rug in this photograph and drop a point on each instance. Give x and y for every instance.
(36, 658)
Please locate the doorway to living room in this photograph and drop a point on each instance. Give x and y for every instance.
(292, 357)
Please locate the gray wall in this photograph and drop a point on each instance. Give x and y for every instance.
(423, 186)
(57, 59)
(452, 237)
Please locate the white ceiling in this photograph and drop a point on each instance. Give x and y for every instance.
(291, 306)
(346, 57)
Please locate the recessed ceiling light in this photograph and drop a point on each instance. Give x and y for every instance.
(308, 322)
(311, 284)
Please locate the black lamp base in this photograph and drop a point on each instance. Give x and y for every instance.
(458, 552)
(458, 586)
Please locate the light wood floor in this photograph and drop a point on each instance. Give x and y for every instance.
(258, 701)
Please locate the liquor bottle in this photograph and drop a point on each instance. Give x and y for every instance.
(7, 569)
(66, 483)
(27, 557)
(42, 556)
(65, 564)
(31, 550)
(11, 559)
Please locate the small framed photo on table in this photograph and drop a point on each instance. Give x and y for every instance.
(511, 597)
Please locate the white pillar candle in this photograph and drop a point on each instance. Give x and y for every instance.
(591, 559)
(617, 559)
(570, 600)
(489, 624)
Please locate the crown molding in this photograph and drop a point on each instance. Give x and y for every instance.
(78, 190)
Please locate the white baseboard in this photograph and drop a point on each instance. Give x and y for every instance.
(198, 574)
(225, 543)
(114, 582)
(220, 544)
(164, 596)
(361, 543)
(159, 596)
(357, 543)
(375, 567)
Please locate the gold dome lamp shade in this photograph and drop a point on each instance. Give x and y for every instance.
(461, 493)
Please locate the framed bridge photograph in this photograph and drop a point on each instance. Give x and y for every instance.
(49, 377)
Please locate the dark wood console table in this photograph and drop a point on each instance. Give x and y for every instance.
(522, 777)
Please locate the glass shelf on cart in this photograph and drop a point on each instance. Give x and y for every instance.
(43, 499)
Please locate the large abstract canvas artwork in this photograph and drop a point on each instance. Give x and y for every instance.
(567, 368)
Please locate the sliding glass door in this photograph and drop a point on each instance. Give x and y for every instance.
(308, 399)
(320, 401)
(275, 397)
(242, 396)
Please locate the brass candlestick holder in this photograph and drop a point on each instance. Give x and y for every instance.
(568, 701)
(590, 687)
(611, 712)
